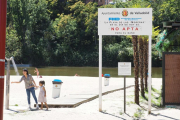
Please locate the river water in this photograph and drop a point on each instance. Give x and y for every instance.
(82, 71)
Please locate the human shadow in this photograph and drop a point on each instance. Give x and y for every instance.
(113, 115)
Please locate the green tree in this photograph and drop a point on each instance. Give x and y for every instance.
(58, 32)
(86, 17)
(30, 19)
(56, 7)
(165, 10)
(13, 48)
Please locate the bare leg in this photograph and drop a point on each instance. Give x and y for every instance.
(37, 74)
(46, 105)
(41, 105)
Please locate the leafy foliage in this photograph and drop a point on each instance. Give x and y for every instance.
(12, 44)
(64, 32)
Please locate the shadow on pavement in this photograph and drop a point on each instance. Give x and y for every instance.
(114, 115)
(164, 116)
(144, 108)
(14, 110)
(164, 108)
(127, 114)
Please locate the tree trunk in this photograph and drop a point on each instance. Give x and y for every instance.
(145, 62)
(136, 68)
(141, 64)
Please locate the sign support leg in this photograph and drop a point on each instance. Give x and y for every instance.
(149, 77)
(100, 73)
(124, 94)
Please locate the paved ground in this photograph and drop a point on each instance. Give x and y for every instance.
(112, 103)
(72, 86)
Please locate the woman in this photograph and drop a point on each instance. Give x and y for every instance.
(29, 83)
(36, 70)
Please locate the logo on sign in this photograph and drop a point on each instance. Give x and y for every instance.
(56, 85)
(124, 13)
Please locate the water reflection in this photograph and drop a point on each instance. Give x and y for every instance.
(82, 71)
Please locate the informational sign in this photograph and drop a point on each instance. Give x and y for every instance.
(124, 68)
(124, 21)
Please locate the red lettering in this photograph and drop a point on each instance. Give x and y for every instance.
(117, 28)
(128, 28)
(132, 28)
(123, 28)
(136, 29)
(112, 28)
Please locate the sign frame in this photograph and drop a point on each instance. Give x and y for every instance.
(149, 60)
(124, 21)
(129, 65)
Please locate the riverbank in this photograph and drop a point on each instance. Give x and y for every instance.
(112, 103)
(82, 71)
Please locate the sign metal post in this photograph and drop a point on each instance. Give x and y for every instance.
(124, 69)
(124, 94)
(100, 73)
(149, 77)
(7, 83)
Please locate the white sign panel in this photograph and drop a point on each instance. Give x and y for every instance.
(124, 21)
(124, 68)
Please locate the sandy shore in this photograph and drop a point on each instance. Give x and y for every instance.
(112, 103)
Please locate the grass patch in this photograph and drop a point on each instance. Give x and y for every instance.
(142, 99)
(130, 96)
(16, 105)
(121, 113)
(139, 113)
(156, 91)
(155, 97)
(130, 102)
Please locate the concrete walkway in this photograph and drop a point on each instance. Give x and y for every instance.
(74, 91)
(82, 88)
(74, 100)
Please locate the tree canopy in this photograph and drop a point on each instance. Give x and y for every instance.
(64, 32)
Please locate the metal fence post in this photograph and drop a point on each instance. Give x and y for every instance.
(7, 83)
